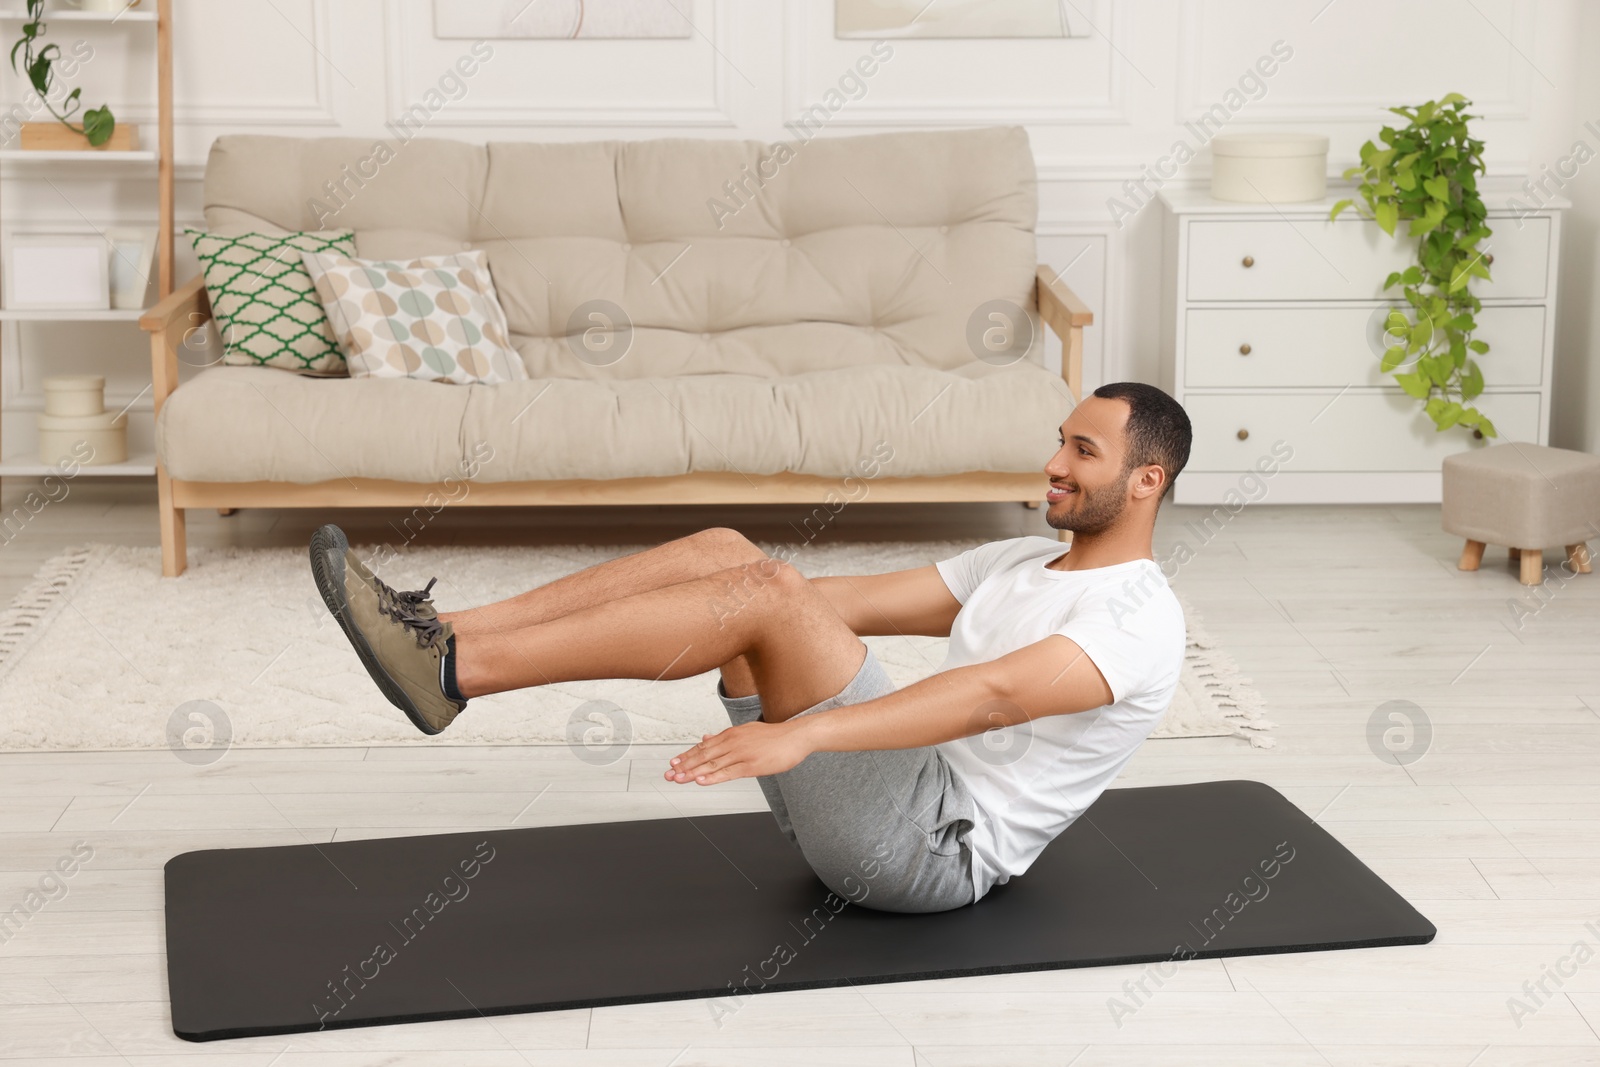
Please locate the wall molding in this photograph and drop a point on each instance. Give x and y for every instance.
(250, 111)
(400, 28)
(802, 19)
(1120, 169)
(1517, 104)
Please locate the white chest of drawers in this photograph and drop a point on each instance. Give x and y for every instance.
(1271, 339)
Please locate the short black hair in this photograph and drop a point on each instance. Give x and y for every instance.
(1158, 429)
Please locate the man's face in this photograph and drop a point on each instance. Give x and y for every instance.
(1092, 467)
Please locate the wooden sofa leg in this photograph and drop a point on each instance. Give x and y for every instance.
(1578, 558)
(1532, 566)
(1471, 556)
(174, 539)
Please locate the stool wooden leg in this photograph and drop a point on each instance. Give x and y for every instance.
(1578, 558)
(1532, 566)
(1471, 556)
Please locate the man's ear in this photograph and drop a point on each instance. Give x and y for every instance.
(1151, 480)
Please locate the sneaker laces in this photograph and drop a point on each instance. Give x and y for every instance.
(412, 609)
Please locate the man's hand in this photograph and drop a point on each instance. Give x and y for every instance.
(745, 751)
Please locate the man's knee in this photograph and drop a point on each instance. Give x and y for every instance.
(752, 590)
(769, 573)
(727, 547)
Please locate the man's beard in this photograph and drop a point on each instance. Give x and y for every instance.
(1091, 512)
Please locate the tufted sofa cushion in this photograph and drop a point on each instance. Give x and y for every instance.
(241, 424)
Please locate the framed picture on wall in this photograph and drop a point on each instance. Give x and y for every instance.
(557, 19)
(56, 272)
(962, 18)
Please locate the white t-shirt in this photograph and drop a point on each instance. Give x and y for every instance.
(1031, 781)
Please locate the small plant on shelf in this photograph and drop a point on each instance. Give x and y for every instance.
(1427, 175)
(38, 66)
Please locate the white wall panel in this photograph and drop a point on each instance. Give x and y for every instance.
(1360, 56)
(587, 83)
(960, 82)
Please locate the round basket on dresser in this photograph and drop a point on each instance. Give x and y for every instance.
(1269, 168)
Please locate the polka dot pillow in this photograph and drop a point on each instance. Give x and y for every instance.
(436, 319)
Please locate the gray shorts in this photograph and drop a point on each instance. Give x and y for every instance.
(886, 829)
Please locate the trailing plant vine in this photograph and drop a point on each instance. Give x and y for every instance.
(1427, 175)
(97, 122)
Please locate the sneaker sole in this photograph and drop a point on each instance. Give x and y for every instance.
(328, 546)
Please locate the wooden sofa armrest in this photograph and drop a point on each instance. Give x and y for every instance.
(1067, 315)
(168, 323)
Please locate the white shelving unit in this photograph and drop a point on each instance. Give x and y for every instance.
(31, 315)
(96, 158)
(14, 15)
(143, 465)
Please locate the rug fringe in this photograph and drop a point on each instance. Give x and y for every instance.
(1241, 705)
(23, 621)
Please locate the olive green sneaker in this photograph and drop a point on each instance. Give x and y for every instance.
(397, 635)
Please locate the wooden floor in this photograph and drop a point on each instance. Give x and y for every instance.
(1494, 833)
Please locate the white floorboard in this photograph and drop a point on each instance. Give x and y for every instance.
(1494, 834)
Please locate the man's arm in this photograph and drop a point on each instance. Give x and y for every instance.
(1050, 677)
(914, 601)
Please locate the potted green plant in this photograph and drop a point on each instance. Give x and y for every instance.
(38, 65)
(1426, 175)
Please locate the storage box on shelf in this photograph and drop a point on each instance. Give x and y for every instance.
(76, 428)
(1272, 331)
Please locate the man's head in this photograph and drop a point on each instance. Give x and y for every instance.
(1122, 447)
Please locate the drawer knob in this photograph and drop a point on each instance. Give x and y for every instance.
(1243, 434)
(1244, 349)
(1249, 261)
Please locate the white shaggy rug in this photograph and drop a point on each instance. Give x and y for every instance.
(101, 652)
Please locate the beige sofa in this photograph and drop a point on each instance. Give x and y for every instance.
(796, 320)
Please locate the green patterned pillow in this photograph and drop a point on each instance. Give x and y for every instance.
(265, 306)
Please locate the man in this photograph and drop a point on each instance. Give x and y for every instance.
(1060, 664)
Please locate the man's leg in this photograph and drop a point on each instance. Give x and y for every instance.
(681, 560)
(684, 559)
(799, 651)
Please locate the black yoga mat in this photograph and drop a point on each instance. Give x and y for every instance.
(354, 933)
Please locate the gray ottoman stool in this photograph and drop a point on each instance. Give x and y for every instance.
(1526, 497)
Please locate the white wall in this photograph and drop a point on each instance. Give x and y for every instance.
(1100, 110)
